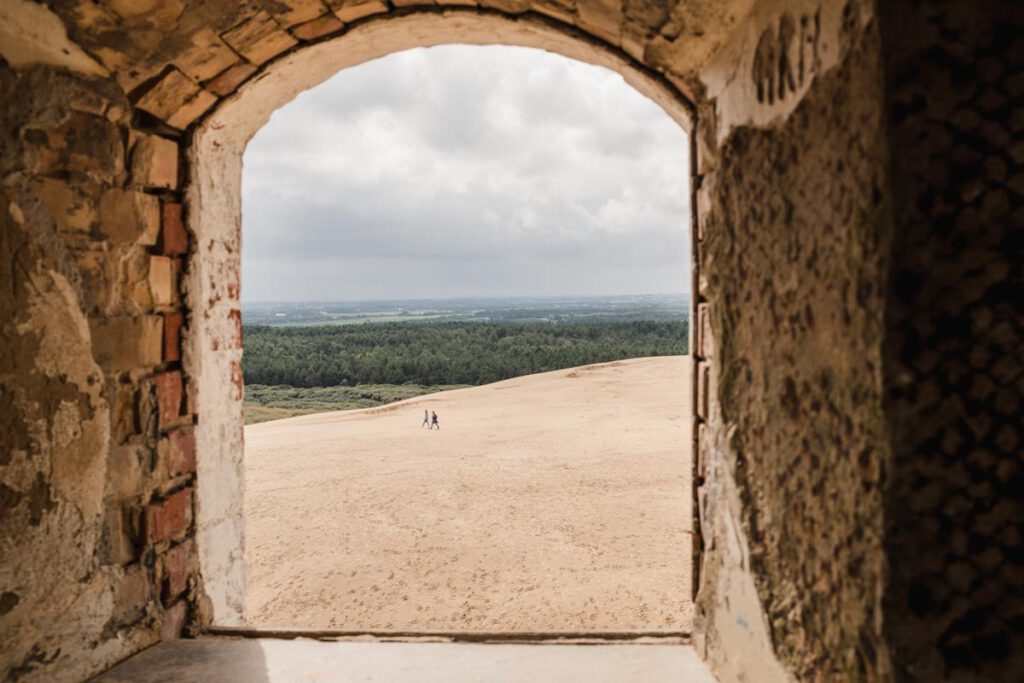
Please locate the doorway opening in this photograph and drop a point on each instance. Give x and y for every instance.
(502, 232)
(219, 155)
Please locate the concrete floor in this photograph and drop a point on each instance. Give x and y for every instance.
(228, 660)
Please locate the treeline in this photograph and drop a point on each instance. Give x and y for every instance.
(444, 353)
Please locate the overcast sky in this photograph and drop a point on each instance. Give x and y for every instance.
(466, 171)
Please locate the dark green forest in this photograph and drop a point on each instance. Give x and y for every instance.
(444, 353)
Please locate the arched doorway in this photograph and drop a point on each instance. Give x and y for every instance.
(214, 216)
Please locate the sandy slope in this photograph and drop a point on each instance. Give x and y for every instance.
(556, 501)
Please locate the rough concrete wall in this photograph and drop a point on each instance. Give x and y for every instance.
(96, 461)
(794, 240)
(954, 369)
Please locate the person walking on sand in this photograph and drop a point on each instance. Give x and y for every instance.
(433, 421)
(426, 420)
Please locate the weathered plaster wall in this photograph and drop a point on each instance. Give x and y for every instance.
(94, 471)
(954, 367)
(838, 355)
(793, 256)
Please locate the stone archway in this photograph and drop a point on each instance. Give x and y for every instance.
(213, 357)
(859, 376)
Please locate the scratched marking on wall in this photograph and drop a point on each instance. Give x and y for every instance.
(786, 56)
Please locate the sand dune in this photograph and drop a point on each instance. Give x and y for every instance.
(557, 501)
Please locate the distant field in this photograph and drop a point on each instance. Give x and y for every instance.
(264, 403)
(303, 358)
(659, 307)
(431, 354)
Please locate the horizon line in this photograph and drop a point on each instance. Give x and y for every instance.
(474, 297)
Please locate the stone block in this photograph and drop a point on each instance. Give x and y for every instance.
(601, 18)
(558, 12)
(124, 470)
(129, 217)
(507, 6)
(154, 162)
(131, 292)
(181, 452)
(131, 594)
(127, 342)
(72, 209)
(703, 445)
(163, 281)
(178, 564)
(170, 518)
(172, 336)
(291, 12)
(192, 109)
(259, 38)
(173, 622)
(117, 537)
(123, 418)
(353, 10)
(703, 390)
(228, 80)
(83, 143)
(208, 56)
(317, 28)
(173, 237)
(705, 341)
(168, 397)
(175, 99)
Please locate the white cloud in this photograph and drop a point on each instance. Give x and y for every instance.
(460, 170)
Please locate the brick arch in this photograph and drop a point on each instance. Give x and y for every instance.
(212, 187)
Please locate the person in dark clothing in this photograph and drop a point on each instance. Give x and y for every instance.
(433, 421)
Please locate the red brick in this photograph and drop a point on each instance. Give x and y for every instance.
(182, 456)
(317, 28)
(169, 518)
(172, 336)
(168, 396)
(173, 238)
(228, 80)
(179, 563)
(174, 621)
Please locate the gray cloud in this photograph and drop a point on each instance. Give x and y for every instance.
(459, 170)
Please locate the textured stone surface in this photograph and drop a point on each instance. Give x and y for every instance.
(954, 373)
(154, 162)
(842, 387)
(259, 38)
(794, 254)
(80, 340)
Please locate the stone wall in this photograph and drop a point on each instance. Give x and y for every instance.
(97, 461)
(954, 366)
(859, 386)
(100, 102)
(794, 239)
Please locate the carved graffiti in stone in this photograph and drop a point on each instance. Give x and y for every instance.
(786, 57)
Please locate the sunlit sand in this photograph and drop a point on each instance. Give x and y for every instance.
(558, 501)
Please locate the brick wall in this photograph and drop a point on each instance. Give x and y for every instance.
(98, 477)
